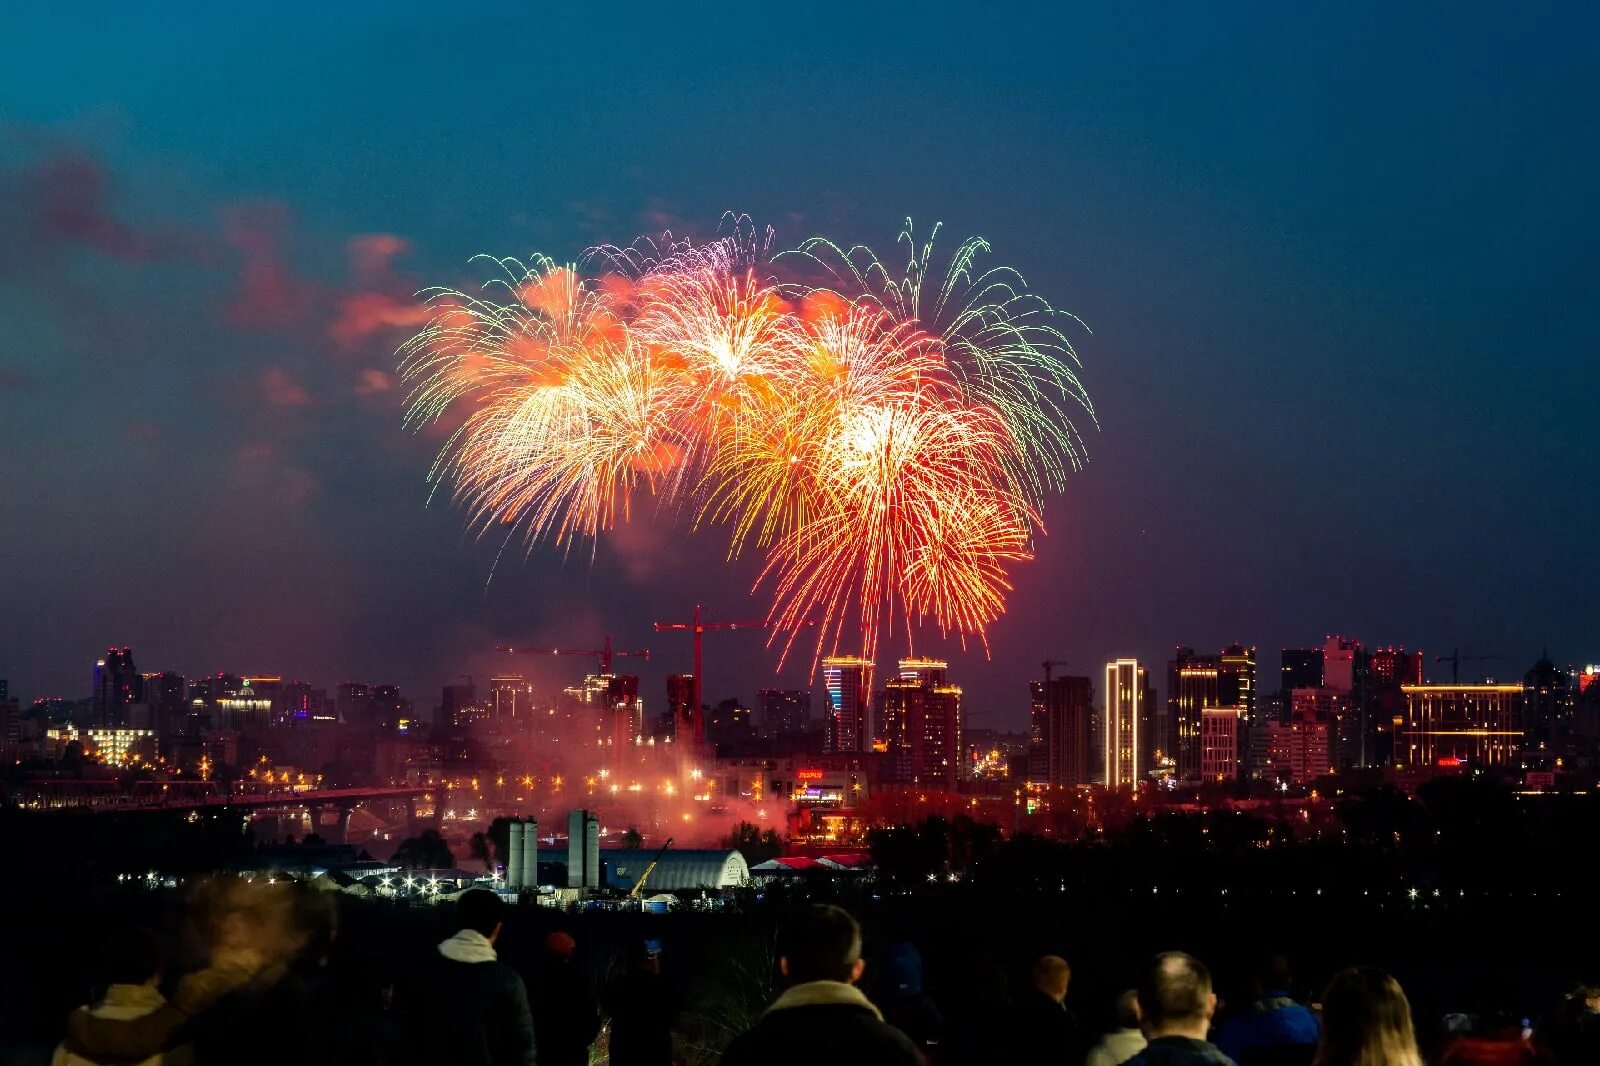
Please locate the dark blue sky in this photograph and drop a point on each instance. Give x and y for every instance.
(1341, 270)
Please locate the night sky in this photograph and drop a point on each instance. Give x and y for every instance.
(1341, 270)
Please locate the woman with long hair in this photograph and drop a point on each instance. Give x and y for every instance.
(1366, 1021)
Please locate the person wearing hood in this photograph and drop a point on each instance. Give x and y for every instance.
(471, 1009)
(822, 1016)
(903, 1002)
(565, 1019)
(132, 971)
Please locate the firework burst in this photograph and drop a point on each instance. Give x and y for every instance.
(884, 442)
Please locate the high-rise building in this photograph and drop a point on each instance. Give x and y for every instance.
(1192, 686)
(1396, 667)
(847, 684)
(1302, 668)
(118, 685)
(458, 706)
(783, 712)
(680, 705)
(625, 713)
(1548, 703)
(1220, 731)
(1333, 709)
(391, 712)
(511, 699)
(1455, 724)
(1127, 710)
(1297, 750)
(1236, 680)
(1059, 751)
(353, 702)
(922, 725)
(1347, 668)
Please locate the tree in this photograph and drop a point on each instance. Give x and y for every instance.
(755, 845)
(480, 847)
(425, 852)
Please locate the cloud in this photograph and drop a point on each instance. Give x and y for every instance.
(262, 472)
(268, 293)
(145, 432)
(371, 253)
(12, 380)
(64, 201)
(280, 389)
(374, 383)
(362, 314)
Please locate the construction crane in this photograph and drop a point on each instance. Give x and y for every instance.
(638, 886)
(1455, 659)
(604, 655)
(1049, 664)
(697, 626)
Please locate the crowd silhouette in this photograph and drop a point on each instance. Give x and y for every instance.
(272, 986)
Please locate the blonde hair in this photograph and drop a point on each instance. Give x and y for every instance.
(1366, 1021)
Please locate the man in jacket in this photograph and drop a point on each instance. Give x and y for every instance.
(565, 1020)
(1175, 1008)
(1273, 1029)
(822, 1016)
(1046, 1028)
(472, 1009)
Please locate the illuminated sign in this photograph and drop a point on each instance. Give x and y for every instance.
(808, 775)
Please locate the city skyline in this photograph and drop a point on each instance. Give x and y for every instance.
(1322, 391)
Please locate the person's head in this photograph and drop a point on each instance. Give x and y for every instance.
(1273, 975)
(479, 909)
(133, 957)
(822, 943)
(1128, 1009)
(1051, 975)
(1175, 997)
(1366, 1021)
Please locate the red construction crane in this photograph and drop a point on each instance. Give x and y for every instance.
(604, 655)
(698, 627)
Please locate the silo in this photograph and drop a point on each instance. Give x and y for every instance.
(591, 850)
(514, 857)
(575, 849)
(530, 855)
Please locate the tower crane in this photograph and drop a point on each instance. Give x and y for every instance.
(1049, 664)
(698, 626)
(604, 655)
(1455, 659)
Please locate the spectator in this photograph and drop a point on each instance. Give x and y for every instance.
(1573, 1035)
(1046, 1029)
(468, 1008)
(1366, 1021)
(1273, 1030)
(565, 1019)
(643, 1007)
(1123, 1042)
(1175, 1007)
(822, 1016)
(903, 1002)
(132, 971)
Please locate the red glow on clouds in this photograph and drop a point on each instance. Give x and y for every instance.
(362, 314)
(268, 292)
(280, 389)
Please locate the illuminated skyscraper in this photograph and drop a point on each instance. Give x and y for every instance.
(1127, 699)
(922, 725)
(1220, 729)
(1236, 680)
(1452, 725)
(1192, 686)
(1301, 668)
(847, 683)
(511, 698)
(1059, 751)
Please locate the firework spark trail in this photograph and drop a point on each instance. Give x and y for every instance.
(884, 442)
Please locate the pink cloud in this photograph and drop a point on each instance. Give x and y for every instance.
(269, 294)
(371, 253)
(374, 383)
(70, 195)
(145, 432)
(11, 380)
(362, 314)
(280, 389)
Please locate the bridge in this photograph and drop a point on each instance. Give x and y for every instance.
(150, 797)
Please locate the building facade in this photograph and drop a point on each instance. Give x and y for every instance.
(1059, 751)
(847, 688)
(1127, 710)
(1454, 724)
